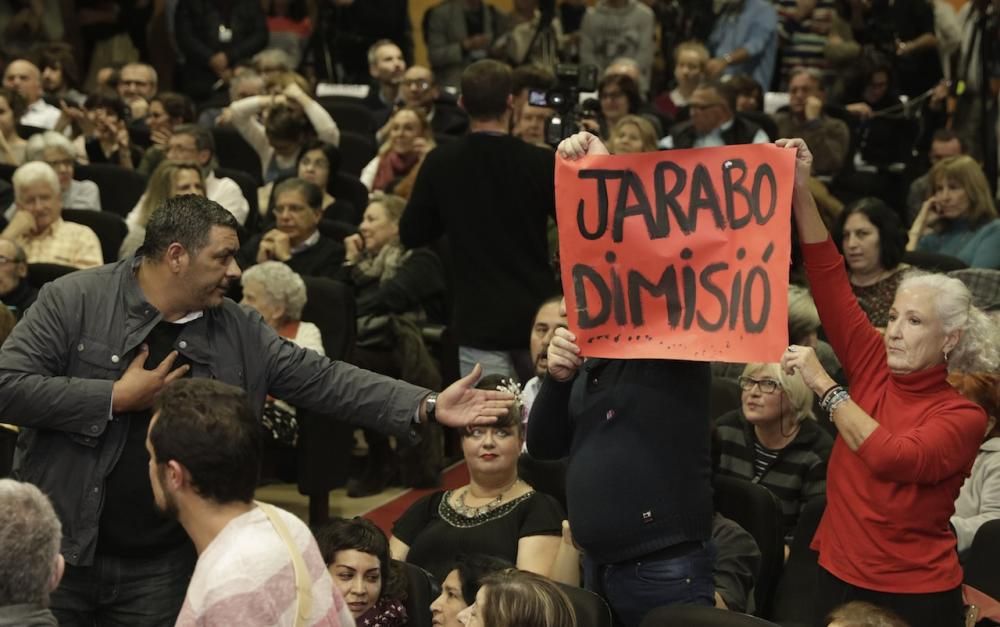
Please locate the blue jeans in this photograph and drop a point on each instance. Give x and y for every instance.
(125, 591)
(635, 587)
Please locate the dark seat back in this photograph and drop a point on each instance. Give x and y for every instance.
(591, 610)
(796, 589)
(725, 396)
(120, 188)
(41, 273)
(699, 616)
(980, 565)
(349, 114)
(325, 441)
(757, 510)
(350, 188)
(234, 153)
(421, 590)
(933, 262)
(248, 185)
(109, 227)
(356, 150)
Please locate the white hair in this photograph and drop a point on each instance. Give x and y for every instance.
(155, 78)
(977, 349)
(793, 386)
(276, 56)
(30, 534)
(35, 172)
(282, 284)
(40, 142)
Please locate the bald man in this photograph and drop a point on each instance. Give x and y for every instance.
(25, 78)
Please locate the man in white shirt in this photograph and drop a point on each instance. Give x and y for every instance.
(204, 451)
(194, 143)
(24, 77)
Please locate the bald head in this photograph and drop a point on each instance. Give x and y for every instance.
(24, 77)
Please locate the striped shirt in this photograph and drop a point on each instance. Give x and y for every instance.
(795, 474)
(803, 42)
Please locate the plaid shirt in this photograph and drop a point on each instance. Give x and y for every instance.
(64, 243)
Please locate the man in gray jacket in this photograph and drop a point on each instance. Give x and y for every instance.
(80, 373)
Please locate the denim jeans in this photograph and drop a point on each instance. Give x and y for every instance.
(506, 363)
(125, 591)
(635, 587)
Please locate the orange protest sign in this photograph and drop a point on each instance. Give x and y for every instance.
(681, 254)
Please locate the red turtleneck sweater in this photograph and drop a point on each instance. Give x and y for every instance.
(888, 504)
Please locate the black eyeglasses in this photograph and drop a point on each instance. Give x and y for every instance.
(4, 260)
(767, 386)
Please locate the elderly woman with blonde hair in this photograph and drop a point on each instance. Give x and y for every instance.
(409, 140)
(773, 439)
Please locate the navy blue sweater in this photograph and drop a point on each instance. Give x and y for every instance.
(637, 436)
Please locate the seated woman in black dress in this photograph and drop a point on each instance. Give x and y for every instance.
(495, 513)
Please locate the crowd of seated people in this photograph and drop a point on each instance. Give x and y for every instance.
(427, 194)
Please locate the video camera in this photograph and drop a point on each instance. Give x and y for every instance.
(565, 99)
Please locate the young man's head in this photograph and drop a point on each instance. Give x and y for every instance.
(486, 91)
(945, 143)
(385, 62)
(30, 534)
(204, 444)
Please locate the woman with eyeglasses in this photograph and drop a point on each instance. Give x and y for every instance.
(773, 439)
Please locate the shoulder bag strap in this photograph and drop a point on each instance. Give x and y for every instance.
(303, 584)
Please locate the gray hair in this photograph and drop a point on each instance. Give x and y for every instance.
(803, 318)
(19, 255)
(374, 48)
(40, 142)
(977, 349)
(277, 56)
(35, 172)
(155, 78)
(813, 73)
(30, 534)
(245, 76)
(282, 284)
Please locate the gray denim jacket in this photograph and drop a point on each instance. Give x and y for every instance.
(58, 366)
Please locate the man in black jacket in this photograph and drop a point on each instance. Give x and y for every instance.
(492, 195)
(215, 36)
(714, 121)
(638, 483)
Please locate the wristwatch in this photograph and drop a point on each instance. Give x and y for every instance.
(430, 407)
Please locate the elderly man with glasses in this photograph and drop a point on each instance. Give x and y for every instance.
(15, 291)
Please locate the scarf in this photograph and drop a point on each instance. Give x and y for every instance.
(382, 266)
(393, 166)
(385, 613)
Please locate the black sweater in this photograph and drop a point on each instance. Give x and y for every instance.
(491, 195)
(637, 436)
(321, 259)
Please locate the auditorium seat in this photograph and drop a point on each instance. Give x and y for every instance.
(233, 152)
(120, 188)
(591, 610)
(110, 228)
(421, 590)
(699, 616)
(757, 510)
(356, 150)
(41, 273)
(349, 114)
(796, 589)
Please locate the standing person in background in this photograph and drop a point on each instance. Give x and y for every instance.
(214, 38)
(619, 28)
(744, 40)
(460, 32)
(496, 229)
(345, 31)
